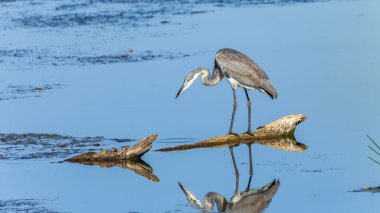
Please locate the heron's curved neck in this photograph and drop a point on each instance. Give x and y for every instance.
(215, 198)
(208, 80)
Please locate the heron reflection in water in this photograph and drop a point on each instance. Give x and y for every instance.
(247, 201)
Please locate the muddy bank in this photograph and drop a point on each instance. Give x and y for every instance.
(48, 146)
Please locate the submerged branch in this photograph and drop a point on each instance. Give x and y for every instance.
(278, 134)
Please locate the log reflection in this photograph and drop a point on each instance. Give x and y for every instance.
(284, 143)
(138, 166)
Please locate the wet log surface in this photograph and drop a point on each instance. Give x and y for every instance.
(129, 153)
(278, 134)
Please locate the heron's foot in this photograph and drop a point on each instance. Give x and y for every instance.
(259, 127)
(235, 144)
(232, 133)
(249, 132)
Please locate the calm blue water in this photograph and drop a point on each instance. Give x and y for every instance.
(322, 57)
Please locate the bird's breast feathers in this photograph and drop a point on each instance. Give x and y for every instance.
(234, 83)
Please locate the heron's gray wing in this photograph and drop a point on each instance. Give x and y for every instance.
(241, 68)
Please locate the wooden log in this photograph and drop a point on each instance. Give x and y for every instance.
(278, 134)
(127, 158)
(129, 153)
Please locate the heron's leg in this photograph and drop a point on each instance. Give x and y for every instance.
(250, 167)
(249, 111)
(236, 170)
(233, 112)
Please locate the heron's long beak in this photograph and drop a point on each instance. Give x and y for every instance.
(180, 91)
(193, 200)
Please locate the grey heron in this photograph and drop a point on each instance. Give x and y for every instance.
(240, 71)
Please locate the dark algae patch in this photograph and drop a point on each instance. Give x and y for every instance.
(41, 146)
(116, 58)
(15, 53)
(26, 91)
(45, 57)
(76, 18)
(24, 205)
(126, 13)
(132, 14)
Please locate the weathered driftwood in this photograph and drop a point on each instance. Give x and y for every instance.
(130, 153)
(127, 158)
(278, 134)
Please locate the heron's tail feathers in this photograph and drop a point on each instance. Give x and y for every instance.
(268, 88)
(272, 186)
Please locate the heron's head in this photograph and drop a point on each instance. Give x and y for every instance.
(189, 80)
